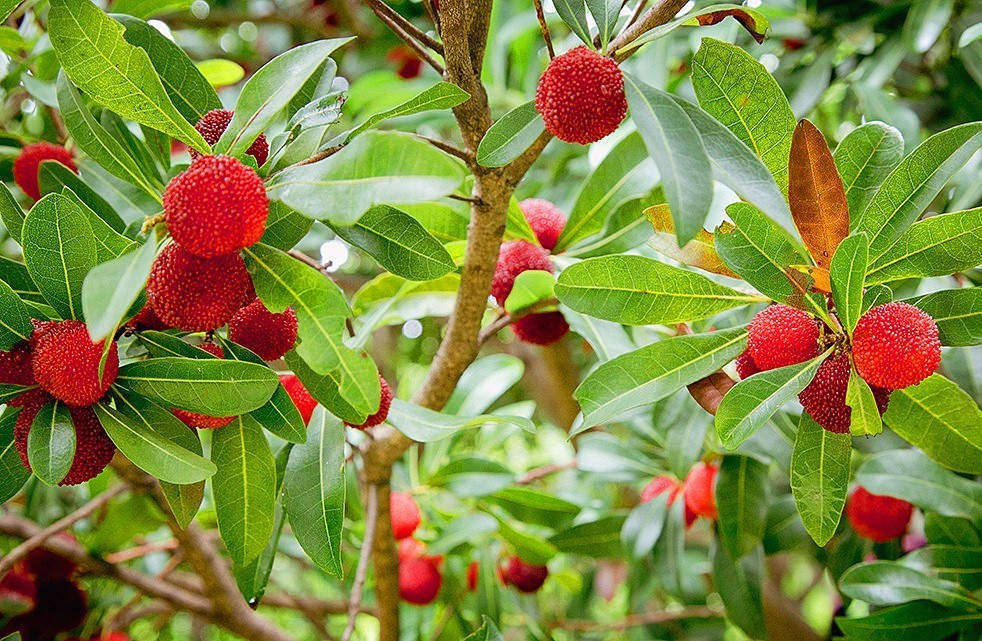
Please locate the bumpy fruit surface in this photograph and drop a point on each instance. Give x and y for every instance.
(779, 336)
(514, 258)
(203, 421)
(267, 334)
(745, 365)
(29, 161)
(700, 490)
(825, 397)
(545, 219)
(420, 580)
(146, 319)
(581, 96)
(524, 576)
(876, 517)
(66, 363)
(15, 366)
(404, 513)
(214, 123)
(216, 207)
(300, 396)
(895, 346)
(385, 401)
(661, 484)
(197, 294)
(544, 328)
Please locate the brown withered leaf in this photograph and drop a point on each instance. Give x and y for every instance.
(752, 23)
(816, 195)
(820, 280)
(699, 252)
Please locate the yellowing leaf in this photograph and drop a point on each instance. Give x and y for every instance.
(699, 252)
(820, 281)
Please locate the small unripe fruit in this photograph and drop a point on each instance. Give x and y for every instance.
(745, 366)
(15, 366)
(825, 397)
(779, 336)
(581, 96)
(267, 334)
(214, 123)
(544, 328)
(216, 207)
(66, 363)
(203, 421)
(876, 517)
(385, 401)
(404, 514)
(545, 219)
(664, 483)
(895, 346)
(196, 294)
(420, 580)
(524, 576)
(700, 490)
(514, 258)
(300, 396)
(29, 161)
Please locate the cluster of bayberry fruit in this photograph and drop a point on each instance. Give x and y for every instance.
(894, 346)
(698, 491)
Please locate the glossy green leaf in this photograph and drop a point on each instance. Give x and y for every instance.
(530, 505)
(740, 586)
(13, 474)
(219, 72)
(573, 14)
(325, 388)
(284, 227)
(958, 313)
(876, 295)
(487, 632)
(605, 14)
(643, 526)
(962, 565)
(51, 443)
(426, 426)
(516, 225)
(531, 287)
(531, 548)
(510, 136)
(11, 214)
(890, 583)
(253, 577)
(110, 289)
(936, 246)
(109, 244)
(15, 322)
(595, 539)
(820, 477)
(864, 158)
(54, 177)
(915, 621)
(864, 419)
(925, 22)
(442, 95)
(472, 476)
(742, 500)
(847, 272)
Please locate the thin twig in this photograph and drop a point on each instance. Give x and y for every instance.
(141, 551)
(421, 36)
(505, 320)
(634, 16)
(307, 260)
(371, 515)
(540, 473)
(414, 44)
(465, 155)
(320, 155)
(656, 16)
(464, 199)
(543, 27)
(637, 620)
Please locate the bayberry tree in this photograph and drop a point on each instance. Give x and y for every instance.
(263, 347)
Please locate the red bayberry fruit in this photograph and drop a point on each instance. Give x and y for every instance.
(18, 592)
(404, 514)
(825, 397)
(203, 421)
(196, 294)
(662, 484)
(15, 366)
(146, 319)
(66, 363)
(29, 161)
(514, 258)
(267, 334)
(385, 401)
(420, 579)
(409, 64)
(745, 365)
(700, 490)
(60, 606)
(300, 396)
(779, 336)
(544, 328)
(410, 548)
(581, 96)
(545, 219)
(216, 207)
(48, 566)
(524, 576)
(877, 517)
(214, 123)
(473, 568)
(895, 346)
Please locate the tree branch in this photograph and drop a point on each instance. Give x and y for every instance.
(656, 16)
(379, 8)
(398, 26)
(371, 516)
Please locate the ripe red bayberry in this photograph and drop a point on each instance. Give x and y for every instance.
(60, 606)
(779, 336)
(385, 401)
(544, 328)
(404, 514)
(46, 566)
(410, 548)
(203, 421)
(581, 96)
(214, 123)
(300, 396)
(420, 579)
(876, 517)
(29, 161)
(197, 294)
(524, 576)
(700, 490)
(473, 569)
(896, 345)
(267, 334)
(216, 207)
(18, 592)
(66, 363)
(545, 219)
(825, 397)
(15, 366)
(146, 319)
(664, 483)
(409, 64)
(514, 258)
(745, 365)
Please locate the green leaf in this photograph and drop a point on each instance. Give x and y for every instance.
(270, 90)
(950, 530)
(6, 8)
(284, 227)
(936, 246)
(442, 95)
(219, 72)
(208, 386)
(15, 322)
(742, 500)
(13, 474)
(150, 8)
(820, 477)
(314, 492)
(11, 214)
(656, 371)
(377, 167)
(253, 577)
(740, 586)
(530, 548)
(574, 15)
(890, 583)
(59, 250)
(640, 291)
(958, 313)
(737, 90)
(674, 144)
(325, 388)
(876, 295)
(114, 73)
(916, 181)
(54, 177)
(530, 505)
(752, 402)
(962, 565)
(940, 419)
(864, 419)
(510, 136)
(426, 426)
(183, 500)
(487, 632)
(916, 621)
(51, 443)
(516, 225)
(532, 286)
(864, 158)
(244, 487)
(399, 243)
(605, 14)
(110, 289)
(160, 345)
(595, 539)
(470, 476)
(644, 525)
(110, 244)
(925, 22)
(847, 273)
